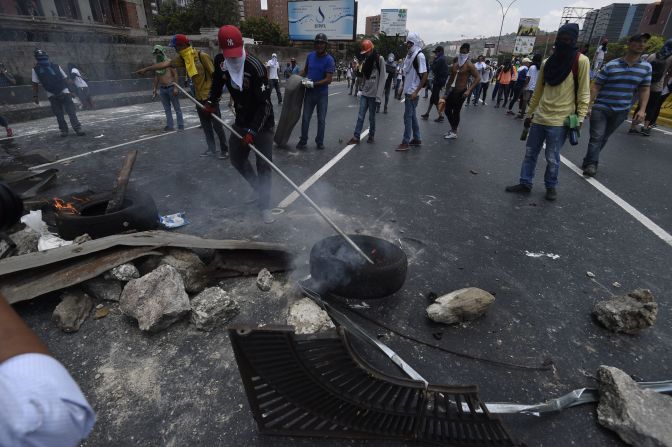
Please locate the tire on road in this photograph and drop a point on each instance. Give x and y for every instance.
(339, 269)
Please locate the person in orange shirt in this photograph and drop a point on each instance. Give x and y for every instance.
(504, 78)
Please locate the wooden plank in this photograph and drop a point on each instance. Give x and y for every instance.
(152, 239)
(124, 176)
(24, 286)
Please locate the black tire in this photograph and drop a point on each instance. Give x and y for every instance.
(339, 269)
(138, 213)
(11, 207)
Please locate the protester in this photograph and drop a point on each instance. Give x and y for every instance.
(287, 71)
(54, 80)
(504, 82)
(599, 57)
(485, 72)
(415, 76)
(199, 68)
(373, 75)
(168, 93)
(530, 85)
(6, 80)
(611, 95)
(399, 81)
(460, 73)
(348, 77)
(391, 70)
(273, 66)
(519, 85)
(80, 84)
(440, 70)
(246, 80)
(295, 68)
(562, 95)
(319, 70)
(661, 63)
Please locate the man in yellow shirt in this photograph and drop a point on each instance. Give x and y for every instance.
(563, 89)
(199, 68)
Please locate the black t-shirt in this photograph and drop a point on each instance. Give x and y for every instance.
(253, 105)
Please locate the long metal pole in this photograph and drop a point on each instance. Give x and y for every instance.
(282, 174)
(504, 13)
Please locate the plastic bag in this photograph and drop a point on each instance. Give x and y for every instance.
(174, 220)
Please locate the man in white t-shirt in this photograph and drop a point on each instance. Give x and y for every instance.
(415, 77)
(272, 68)
(81, 85)
(53, 79)
(531, 84)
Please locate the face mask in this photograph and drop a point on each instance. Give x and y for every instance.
(562, 47)
(462, 58)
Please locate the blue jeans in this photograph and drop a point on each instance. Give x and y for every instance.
(555, 137)
(410, 120)
(167, 98)
(365, 103)
(602, 124)
(476, 93)
(311, 100)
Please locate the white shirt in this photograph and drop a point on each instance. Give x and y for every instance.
(79, 81)
(412, 79)
(272, 69)
(485, 71)
(40, 404)
(36, 80)
(533, 74)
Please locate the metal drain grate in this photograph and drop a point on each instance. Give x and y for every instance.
(318, 386)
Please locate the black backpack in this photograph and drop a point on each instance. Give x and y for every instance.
(416, 65)
(51, 78)
(658, 70)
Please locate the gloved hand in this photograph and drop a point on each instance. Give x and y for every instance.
(307, 83)
(248, 138)
(209, 107)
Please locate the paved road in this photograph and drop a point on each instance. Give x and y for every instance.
(445, 204)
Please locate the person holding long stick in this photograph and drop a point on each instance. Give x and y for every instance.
(245, 78)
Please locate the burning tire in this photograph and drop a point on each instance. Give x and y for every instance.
(339, 269)
(11, 207)
(138, 212)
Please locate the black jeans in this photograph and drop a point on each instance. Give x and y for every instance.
(60, 105)
(3, 122)
(454, 103)
(388, 87)
(239, 153)
(275, 84)
(210, 127)
(504, 90)
(484, 91)
(517, 91)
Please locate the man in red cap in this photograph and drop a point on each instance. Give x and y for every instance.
(373, 71)
(246, 80)
(199, 68)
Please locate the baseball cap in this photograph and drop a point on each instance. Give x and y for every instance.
(438, 49)
(230, 41)
(639, 36)
(527, 60)
(178, 39)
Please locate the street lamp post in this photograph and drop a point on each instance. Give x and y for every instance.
(504, 13)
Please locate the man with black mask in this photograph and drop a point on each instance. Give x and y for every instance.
(373, 70)
(563, 89)
(391, 69)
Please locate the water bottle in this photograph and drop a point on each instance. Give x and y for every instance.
(523, 136)
(574, 136)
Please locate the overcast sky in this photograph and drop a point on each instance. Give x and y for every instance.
(442, 20)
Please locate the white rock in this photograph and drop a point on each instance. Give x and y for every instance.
(308, 318)
(212, 307)
(461, 305)
(125, 272)
(264, 280)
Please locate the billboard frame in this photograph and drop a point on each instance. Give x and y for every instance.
(354, 23)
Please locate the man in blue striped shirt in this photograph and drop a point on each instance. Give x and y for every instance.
(611, 96)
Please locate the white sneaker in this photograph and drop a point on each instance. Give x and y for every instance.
(267, 216)
(450, 136)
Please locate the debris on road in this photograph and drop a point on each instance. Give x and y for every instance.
(641, 417)
(73, 309)
(156, 300)
(211, 308)
(590, 274)
(264, 280)
(308, 318)
(103, 287)
(176, 220)
(101, 313)
(190, 267)
(541, 254)
(26, 241)
(627, 313)
(125, 272)
(461, 305)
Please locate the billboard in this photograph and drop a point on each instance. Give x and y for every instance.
(393, 21)
(335, 18)
(527, 32)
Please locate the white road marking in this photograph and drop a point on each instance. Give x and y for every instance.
(655, 128)
(648, 223)
(337, 93)
(106, 149)
(315, 177)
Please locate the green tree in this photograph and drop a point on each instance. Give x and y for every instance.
(199, 14)
(618, 49)
(262, 29)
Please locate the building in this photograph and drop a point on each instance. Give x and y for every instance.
(372, 25)
(657, 19)
(612, 22)
(588, 27)
(249, 8)
(277, 12)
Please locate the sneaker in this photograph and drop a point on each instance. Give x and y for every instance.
(385, 110)
(168, 129)
(510, 112)
(551, 194)
(425, 116)
(590, 171)
(320, 147)
(450, 136)
(466, 104)
(646, 131)
(10, 132)
(653, 126)
(484, 103)
(403, 147)
(370, 140)
(64, 133)
(80, 133)
(301, 145)
(353, 140)
(208, 153)
(634, 131)
(267, 216)
(519, 188)
(439, 119)
(415, 143)
(223, 155)
(180, 127)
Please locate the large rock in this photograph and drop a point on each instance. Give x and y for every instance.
(103, 288)
(640, 417)
(190, 267)
(156, 300)
(627, 313)
(26, 241)
(211, 308)
(125, 272)
(264, 280)
(461, 305)
(73, 309)
(308, 318)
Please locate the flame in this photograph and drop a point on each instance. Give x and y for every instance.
(65, 207)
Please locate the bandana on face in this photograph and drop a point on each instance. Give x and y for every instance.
(462, 58)
(160, 56)
(236, 68)
(418, 44)
(189, 57)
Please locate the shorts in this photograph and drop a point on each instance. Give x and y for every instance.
(436, 94)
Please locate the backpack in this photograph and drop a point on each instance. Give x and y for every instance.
(657, 70)
(51, 78)
(416, 65)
